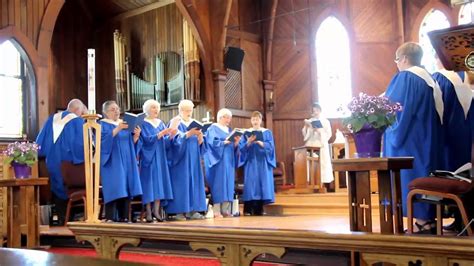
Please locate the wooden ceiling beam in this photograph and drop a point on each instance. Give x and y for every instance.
(140, 10)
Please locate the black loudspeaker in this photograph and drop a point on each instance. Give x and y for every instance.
(233, 58)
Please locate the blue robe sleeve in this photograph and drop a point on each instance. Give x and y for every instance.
(269, 147)
(45, 137)
(75, 139)
(215, 146)
(107, 142)
(397, 92)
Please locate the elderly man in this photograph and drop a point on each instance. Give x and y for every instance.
(417, 131)
(61, 139)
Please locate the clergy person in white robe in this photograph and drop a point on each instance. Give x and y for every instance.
(319, 137)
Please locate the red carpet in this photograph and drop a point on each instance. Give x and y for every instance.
(149, 257)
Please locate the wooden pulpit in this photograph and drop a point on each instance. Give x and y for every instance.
(306, 164)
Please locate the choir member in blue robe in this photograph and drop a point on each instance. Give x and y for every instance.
(154, 172)
(417, 131)
(61, 139)
(221, 160)
(119, 166)
(457, 98)
(187, 179)
(258, 160)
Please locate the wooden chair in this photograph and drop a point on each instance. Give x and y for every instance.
(74, 181)
(279, 175)
(442, 188)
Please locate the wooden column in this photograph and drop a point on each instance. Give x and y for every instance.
(219, 77)
(268, 94)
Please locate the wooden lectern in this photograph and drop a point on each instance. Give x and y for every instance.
(306, 161)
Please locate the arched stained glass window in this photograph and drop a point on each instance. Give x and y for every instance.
(11, 89)
(434, 20)
(333, 66)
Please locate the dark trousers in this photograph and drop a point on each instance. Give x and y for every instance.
(253, 207)
(117, 210)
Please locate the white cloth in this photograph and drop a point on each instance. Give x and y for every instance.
(462, 89)
(59, 124)
(437, 93)
(319, 138)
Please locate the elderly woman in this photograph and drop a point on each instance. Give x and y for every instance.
(187, 179)
(221, 161)
(258, 159)
(154, 172)
(119, 170)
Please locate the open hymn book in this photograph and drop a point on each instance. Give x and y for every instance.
(463, 173)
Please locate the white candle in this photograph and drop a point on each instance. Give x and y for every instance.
(207, 116)
(91, 80)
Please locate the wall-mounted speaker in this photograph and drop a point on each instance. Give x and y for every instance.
(233, 58)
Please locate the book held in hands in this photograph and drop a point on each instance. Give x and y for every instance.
(257, 133)
(200, 126)
(237, 132)
(133, 120)
(314, 123)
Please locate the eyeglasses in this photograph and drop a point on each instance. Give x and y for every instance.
(397, 59)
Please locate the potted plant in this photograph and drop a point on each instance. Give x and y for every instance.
(21, 156)
(370, 116)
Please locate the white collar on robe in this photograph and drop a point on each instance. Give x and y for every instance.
(59, 124)
(186, 123)
(155, 122)
(110, 121)
(223, 128)
(462, 89)
(437, 94)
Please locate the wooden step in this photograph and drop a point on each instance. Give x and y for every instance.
(324, 203)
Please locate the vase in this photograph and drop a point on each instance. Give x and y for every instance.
(21, 170)
(368, 142)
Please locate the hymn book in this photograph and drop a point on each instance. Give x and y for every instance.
(237, 132)
(314, 123)
(133, 120)
(200, 126)
(257, 133)
(463, 173)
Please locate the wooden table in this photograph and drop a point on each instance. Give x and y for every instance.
(360, 207)
(22, 208)
(306, 165)
(25, 257)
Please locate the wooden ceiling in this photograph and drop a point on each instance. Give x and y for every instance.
(105, 9)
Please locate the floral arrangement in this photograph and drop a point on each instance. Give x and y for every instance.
(22, 153)
(377, 111)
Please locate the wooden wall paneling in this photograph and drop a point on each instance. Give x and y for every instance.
(250, 15)
(287, 134)
(374, 20)
(234, 23)
(17, 12)
(252, 76)
(291, 68)
(374, 75)
(4, 14)
(240, 122)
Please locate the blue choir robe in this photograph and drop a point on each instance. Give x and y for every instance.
(416, 132)
(61, 139)
(258, 166)
(187, 178)
(154, 171)
(119, 165)
(221, 160)
(457, 132)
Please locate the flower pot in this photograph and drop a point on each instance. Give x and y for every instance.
(368, 142)
(21, 170)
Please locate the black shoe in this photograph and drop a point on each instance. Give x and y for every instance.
(428, 228)
(453, 227)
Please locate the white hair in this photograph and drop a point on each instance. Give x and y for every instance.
(148, 104)
(223, 112)
(185, 103)
(74, 105)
